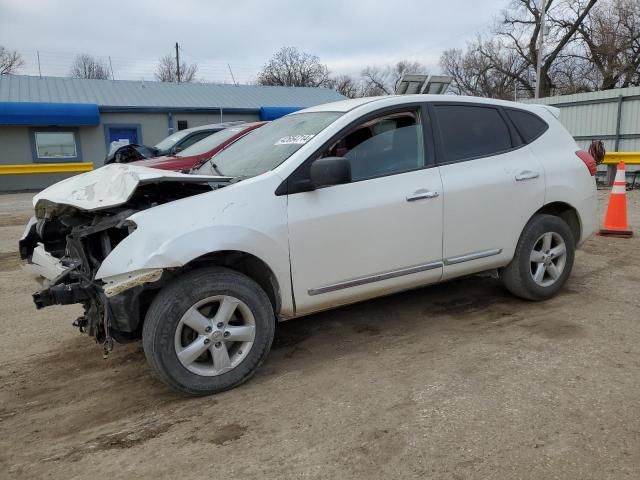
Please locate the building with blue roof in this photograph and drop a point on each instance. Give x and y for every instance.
(53, 120)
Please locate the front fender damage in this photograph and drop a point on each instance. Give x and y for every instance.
(119, 283)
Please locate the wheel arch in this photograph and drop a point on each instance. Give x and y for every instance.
(248, 264)
(567, 213)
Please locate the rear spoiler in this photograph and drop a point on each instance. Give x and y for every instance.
(553, 110)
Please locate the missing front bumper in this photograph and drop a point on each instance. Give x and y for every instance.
(62, 294)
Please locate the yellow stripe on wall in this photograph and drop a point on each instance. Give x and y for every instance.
(33, 168)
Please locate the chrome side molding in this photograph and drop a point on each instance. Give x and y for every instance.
(472, 256)
(374, 278)
(355, 282)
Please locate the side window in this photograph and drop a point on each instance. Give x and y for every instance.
(529, 126)
(468, 131)
(196, 137)
(384, 146)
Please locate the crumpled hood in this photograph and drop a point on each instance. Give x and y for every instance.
(110, 186)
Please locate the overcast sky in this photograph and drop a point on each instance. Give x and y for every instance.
(346, 34)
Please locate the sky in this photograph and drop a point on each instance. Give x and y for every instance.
(241, 35)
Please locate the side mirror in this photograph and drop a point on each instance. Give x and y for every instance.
(330, 171)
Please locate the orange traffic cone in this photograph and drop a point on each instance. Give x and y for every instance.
(615, 221)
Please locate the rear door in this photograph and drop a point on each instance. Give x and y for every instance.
(492, 185)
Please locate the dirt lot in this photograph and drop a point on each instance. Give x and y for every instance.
(456, 381)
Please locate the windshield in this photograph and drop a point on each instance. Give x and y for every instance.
(268, 146)
(171, 140)
(210, 142)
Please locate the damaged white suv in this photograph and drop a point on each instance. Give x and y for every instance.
(324, 207)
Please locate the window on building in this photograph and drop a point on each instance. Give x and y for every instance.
(183, 125)
(55, 145)
(468, 131)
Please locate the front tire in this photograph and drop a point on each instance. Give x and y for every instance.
(208, 331)
(543, 259)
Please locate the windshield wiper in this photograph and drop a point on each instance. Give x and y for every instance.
(215, 168)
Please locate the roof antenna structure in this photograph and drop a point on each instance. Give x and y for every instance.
(412, 83)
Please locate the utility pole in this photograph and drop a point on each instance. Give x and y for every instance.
(177, 62)
(231, 72)
(39, 69)
(543, 14)
(111, 67)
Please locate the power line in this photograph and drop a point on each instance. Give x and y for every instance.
(58, 63)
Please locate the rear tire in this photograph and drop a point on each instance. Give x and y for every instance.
(208, 331)
(543, 259)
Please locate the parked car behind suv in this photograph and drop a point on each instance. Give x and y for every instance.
(201, 151)
(324, 207)
(172, 145)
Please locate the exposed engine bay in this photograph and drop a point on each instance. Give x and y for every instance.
(77, 241)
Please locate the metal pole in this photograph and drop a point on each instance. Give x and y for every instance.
(177, 63)
(543, 14)
(618, 121)
(231, 72)
(39, 71)
(111, 67)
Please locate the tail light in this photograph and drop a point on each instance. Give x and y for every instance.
(588, 160)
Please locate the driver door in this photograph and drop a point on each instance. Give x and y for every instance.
(378, 234)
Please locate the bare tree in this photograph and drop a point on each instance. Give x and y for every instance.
(520, 29)
(166, 70)
(474, 74)
(293, 68)
(610, 37)
(506, 63)
(384, 80)
(87, 66)
(10, 61)
(346, 85)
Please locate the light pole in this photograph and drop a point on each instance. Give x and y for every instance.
(543, 14)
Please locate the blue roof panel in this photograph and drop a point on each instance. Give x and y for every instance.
(43, 114)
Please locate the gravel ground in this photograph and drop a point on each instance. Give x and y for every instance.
(457, 381)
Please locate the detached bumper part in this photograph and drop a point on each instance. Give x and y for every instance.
(43, 264)
(62, 294)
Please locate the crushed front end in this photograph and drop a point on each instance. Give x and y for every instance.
(66, 246)
(73, 244)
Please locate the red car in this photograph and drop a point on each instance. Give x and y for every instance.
(200, 152)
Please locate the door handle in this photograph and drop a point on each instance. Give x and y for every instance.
(526, 175)
(421, 194)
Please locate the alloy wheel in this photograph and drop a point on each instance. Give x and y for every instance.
(215, 335)
(548, 259)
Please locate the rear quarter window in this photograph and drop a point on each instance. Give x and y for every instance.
(529, 125)
(469, 131)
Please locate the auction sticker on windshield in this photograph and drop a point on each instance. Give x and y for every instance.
(294, 140)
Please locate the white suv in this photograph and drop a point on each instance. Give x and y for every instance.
(327, 206)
